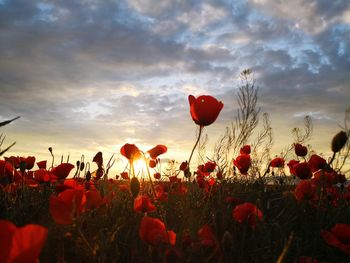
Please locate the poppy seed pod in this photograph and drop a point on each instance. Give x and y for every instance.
(134, 186)
(339, 140)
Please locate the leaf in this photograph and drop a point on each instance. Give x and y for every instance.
(8, 148)
(8, 121)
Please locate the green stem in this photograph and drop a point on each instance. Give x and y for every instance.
(195, 145)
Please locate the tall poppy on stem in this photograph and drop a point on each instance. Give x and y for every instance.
(204, 111)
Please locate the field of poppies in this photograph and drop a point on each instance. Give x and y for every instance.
(239, 206)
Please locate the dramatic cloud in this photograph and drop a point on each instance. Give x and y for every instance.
(88, 75)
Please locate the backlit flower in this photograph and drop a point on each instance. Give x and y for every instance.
(339, 237)
(130, 151)
(156, 151)
(204, 109)
(143, 204)
(242, 162)
(277, 162)
(247, 212)
(153, 232)
(21, 244)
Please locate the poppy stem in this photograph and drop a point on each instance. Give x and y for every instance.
(195, 145)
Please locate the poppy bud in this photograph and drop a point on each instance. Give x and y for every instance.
(82, 165)
(134, 186)
(339, 140)
(88, 176)
(50, 150)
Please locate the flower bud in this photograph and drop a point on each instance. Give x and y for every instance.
(134, 186)
(339, 140)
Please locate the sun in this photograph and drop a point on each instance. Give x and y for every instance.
(140, 166)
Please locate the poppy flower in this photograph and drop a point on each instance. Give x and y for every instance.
(98, 159)
(247, 212)
(143, 204)
(302, 170)
(243, 163)
(209, 167)
(153, 232)
(300, 150)
(277, 162)
(125, 175)
(245, 149)
(157, 176)
(29, 162)
(317, 162)
(152, 163)
(94, 199)
(13, 160)
(130, 151)
(206, 236)
(204, 109)
(42, 175)
(184, 166)
(67, 205)
(21, 244)
(156, 151)
(7, 172)
(339, 237)
(62, 170)
(305, 190)
(291, 165)
(41, 164)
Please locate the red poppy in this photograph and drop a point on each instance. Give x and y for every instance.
(184, 166)
(43, 175)
(13, 160)
(305, 190)
(277, 162)
(316, 162)
(300, 150)
(243, 163)
(29, 162)
(338, 237)
(41, 164)
(247, 212)
(156, 151)
(130, 151)
(94, 199)
(67, 205)
(21, 244)
(153, 232)
(209, 167)
(143, 204)
(98, 159)
(291, 165)
(204, 109)
(152, 163)
(7, 172)
(206, 236)
(302, 170)
(245, 149)
(125, 175)
(62, 170)
(157, 176)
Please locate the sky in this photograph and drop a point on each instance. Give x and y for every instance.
(88, 76)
